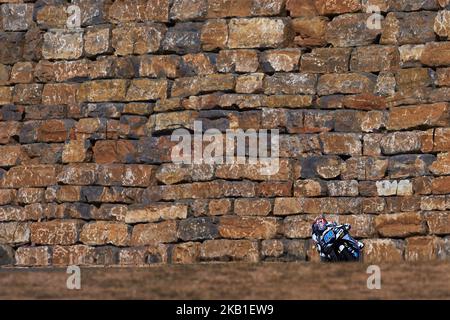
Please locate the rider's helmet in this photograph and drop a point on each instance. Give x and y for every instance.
(319, 225)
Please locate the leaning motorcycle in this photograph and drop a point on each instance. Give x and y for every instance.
(338, 245)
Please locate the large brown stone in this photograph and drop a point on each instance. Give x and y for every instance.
(6, 95)
(442, 165)
(97, 41)
(248, 227)
(197, 229)
(225, 250)
(13, 47)
(62, 44)
(110, 151)
(154, 213)
(438, 222)
(422, 248)
(186, 253)
(75, 151)
(441, 185)
(349, 30)
(103, 90)
(326, 60)
(442, 24)
(146, 89)
(299, 8)
(375, 59)
(298, 226)
(441, 139)
(443, 76)
(419, 116)
(139, 10)
(22, 72)
(52, 16)
(33, 256)
(153, 233)
(252, 207)
(156, 66)
(11, 155)
(287, 206)
(408, 28)
(54, 130)
(326, 7)
(383, 250)
(214, 34)
(290, 83)
(182, 10)
(219, 207)
(400, 224)
(53, 232)
(190, 86)
(310, 31)
(346, 83)
(16, 16)
(251, 83)
(142, 256)
(105, 232)
(245, 60)
(137, 39)
(67, 70)
(436, 54)
(341, 143)
(28, 93)
(285, 60)
(73, 255)
(14, 232)
(30, 176)
(228, 8)
(54, 94)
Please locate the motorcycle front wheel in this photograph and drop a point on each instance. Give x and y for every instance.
(348, 256)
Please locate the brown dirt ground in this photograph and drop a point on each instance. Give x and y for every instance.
(232, 281)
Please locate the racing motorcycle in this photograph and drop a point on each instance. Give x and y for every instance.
(336, 244)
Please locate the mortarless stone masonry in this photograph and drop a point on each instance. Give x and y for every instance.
(86, 116)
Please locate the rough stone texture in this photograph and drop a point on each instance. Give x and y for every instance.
(419, 116)
(153, 233)
(55, 232)
(408, 28)
(155, 213)
(350, 83)
(226, 250)
(248, 227)
(17, 17)
(383, 250)
(326, 60)
(137, 39)
(102, 232)
(62, 45)
(87, 116)
(375, 59)
(442, 23)
(422, 248)
(286, 60)
(33, 256)
(350, 30)
(310, 31)
(400, 224)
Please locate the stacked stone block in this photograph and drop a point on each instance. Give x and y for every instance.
(86, 116)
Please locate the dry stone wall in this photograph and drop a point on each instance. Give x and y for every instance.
(86, 116)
